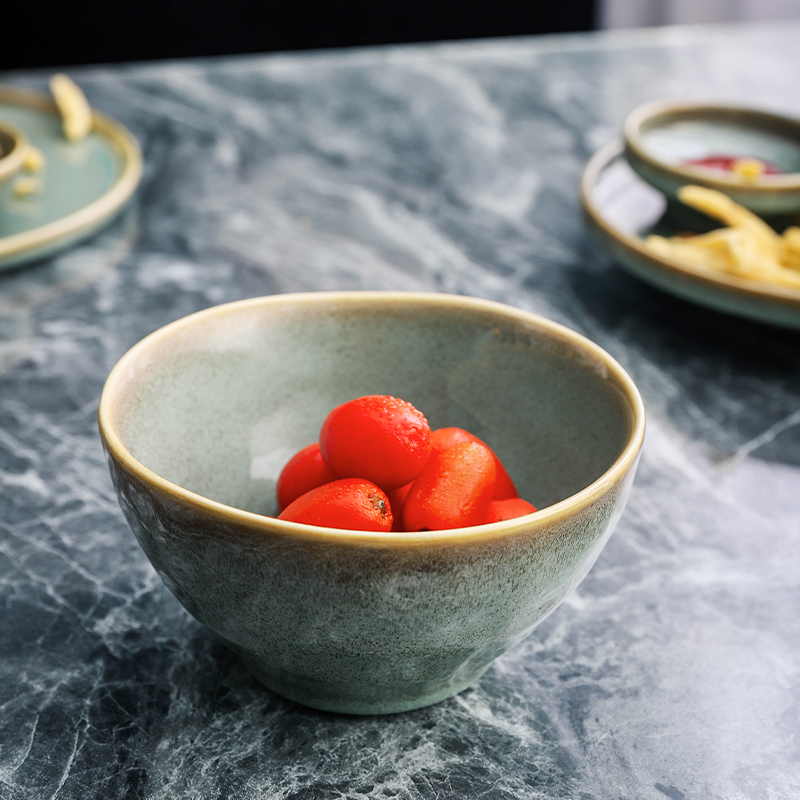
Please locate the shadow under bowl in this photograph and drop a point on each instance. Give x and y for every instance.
(198, 419)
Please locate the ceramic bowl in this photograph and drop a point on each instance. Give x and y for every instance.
(199, 417)
(13, 148)
(661, 137)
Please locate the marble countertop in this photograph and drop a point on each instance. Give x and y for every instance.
(672, 671)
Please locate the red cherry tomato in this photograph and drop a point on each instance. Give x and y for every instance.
(453, 490)
(444, 438)
(508, 509)
(397, 498)
(377, 437)
(350, 503)
(304, 471)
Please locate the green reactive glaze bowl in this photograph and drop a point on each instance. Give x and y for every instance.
(198, 419)
(661, 137)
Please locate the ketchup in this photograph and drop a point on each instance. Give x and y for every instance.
(726, 163)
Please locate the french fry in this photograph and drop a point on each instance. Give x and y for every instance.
(747, 247)
(750, 169)
(790, 251)
(76, 114)
(710, 250)
(721, 207)
(25, 186)
(34, 160)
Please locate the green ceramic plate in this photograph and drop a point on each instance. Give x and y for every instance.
(83, 184)
(621, 208)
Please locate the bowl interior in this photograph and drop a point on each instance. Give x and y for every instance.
(218, 402)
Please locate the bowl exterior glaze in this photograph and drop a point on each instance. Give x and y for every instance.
(368, 623)
(365, 629)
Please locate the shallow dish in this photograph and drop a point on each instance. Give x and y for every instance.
(84, 184)
(621, 209)
(660, 137)
(199, 417)
(13, 147)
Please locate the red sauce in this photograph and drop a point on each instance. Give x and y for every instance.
(726, 163)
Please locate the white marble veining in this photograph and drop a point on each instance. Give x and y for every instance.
(672, 672)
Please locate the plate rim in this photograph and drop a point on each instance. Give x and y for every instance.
(707, 278)
(98, 210)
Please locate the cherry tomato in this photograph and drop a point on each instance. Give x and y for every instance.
(349, 503)
(377, 437)
(453, 490)
(508, 509)
(397, 498)
(304, 471)
(444, 438)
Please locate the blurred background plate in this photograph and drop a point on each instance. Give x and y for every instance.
(620, 209)
(82, 185)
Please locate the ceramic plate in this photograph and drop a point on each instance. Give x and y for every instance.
(621, 209)
(83, 184)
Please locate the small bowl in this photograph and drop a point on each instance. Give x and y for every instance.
(13, 149)
(661, 137)
(199, 417)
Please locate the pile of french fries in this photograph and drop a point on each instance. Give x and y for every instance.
(747, 247)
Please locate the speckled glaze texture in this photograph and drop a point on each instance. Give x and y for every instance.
(364, 629)
(371, 623)
(672, 672)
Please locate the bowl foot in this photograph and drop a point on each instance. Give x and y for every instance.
(364, 699)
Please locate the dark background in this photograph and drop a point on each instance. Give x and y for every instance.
(42, 33)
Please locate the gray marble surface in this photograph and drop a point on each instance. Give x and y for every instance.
(672, 672)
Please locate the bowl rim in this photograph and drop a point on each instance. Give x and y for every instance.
(271, 525)
(648, 113)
